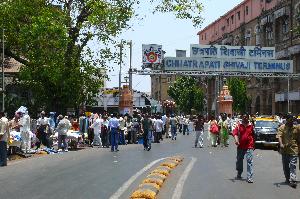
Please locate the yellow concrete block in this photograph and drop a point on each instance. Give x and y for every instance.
(159, 182)
(162, 172)
(153, 185)
(171, 165)
(157, 175)
(143, 193)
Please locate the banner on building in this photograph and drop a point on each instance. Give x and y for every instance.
(234, 52)
(227, 65)
(152, 53)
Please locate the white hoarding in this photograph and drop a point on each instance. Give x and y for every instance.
(234, 52)
(152, 53)
(227, 65)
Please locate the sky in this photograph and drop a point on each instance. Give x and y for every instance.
(164, 29)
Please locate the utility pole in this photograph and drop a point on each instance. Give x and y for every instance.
(130, 65)
(120, 72)
(3, 75)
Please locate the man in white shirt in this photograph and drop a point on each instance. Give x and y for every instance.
(97, 130)
(158, 129)
(62, 129)
(4, 138)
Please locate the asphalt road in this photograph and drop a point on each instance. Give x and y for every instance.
(206, 173)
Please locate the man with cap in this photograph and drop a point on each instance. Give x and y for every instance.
(4, 138)
(289, 140)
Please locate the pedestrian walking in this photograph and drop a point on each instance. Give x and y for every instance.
(122, 121)
(25, 130)
(104, 133)
(158, 129)
(173, 124)
(167, 130)
(224, 136)
(129, 129)
(244, 139)
(97, 130)
(186, 125)
(62, 129)
(146, 130)
(199, 127)
(135, 129)
(113, 126)
(4, 139)
(214, 131)
(91, 130)
(42, 124)
(289, 141)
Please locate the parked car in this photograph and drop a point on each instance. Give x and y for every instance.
(266, 131)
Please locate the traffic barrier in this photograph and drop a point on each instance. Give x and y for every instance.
(149, 188)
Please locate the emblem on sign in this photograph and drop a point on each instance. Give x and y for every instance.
(152, 54)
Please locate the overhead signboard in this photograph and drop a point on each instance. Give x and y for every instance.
(227, 65)
(234, 52)
(152, 53)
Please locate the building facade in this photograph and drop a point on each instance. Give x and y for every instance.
(266, 23)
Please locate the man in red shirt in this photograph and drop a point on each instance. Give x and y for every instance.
(244, 139)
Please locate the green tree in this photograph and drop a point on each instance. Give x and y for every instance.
(187, 94)
(238, 91)
(50, 38)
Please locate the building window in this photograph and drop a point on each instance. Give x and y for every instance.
(232, 19)
(205, 36)
(285, 26)
(269, 35)
(227, 21)
(247, 10)
(248, 38)
(257, 35)
(169, 79)
(239, 15)
(202, 37)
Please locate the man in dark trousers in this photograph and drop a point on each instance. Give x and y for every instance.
(113, 126)
(289, 141)
(146, 130)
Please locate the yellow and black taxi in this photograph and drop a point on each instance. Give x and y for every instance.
(266, 131)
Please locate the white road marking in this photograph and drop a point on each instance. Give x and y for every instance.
(179, 187)
(128, 183)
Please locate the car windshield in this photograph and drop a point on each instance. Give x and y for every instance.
(267, 124)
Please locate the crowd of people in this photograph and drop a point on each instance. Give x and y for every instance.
(112, 130)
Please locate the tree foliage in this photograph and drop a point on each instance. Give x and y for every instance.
(187, 94)
(50, 38)
(238, 91)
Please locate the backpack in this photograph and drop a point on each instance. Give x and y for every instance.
(214, 129)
